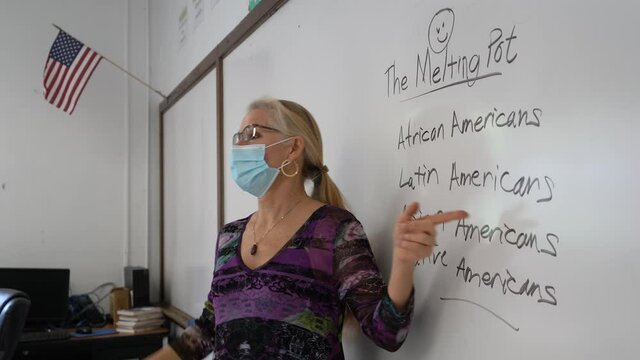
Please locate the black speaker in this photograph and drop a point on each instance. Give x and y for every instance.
(136, 278)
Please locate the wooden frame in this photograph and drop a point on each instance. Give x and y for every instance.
(213, 60)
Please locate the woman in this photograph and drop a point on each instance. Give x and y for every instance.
(284, 275)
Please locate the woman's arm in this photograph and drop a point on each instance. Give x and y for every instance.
(361, 287)
(401, 284)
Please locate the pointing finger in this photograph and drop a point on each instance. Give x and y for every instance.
(448, 216)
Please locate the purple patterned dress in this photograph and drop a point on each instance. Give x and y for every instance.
(293, 306)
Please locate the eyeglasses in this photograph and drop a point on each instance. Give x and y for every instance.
(250, 132)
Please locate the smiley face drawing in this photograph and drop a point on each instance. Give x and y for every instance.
(441, 29)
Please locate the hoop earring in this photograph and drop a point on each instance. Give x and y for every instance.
(286, 163)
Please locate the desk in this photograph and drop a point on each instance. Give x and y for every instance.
(113, 346)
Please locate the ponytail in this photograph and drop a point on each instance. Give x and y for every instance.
(326, 191)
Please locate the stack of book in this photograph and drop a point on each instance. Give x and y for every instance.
(140, 319)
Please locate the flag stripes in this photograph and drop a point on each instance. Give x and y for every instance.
(67, 71)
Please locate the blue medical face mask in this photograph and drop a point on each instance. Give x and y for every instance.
(249, 169)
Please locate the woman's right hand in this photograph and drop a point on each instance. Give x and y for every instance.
(165, 353)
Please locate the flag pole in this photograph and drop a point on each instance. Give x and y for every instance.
(120, 67)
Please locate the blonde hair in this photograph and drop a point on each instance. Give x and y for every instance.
(292, 119)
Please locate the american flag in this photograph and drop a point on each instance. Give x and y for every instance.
(68, 69)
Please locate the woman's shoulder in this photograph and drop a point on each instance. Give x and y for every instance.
(337, 224)
(230, 233)
(236, 225)
(330, 213)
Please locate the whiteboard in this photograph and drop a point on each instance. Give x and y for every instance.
(559, 184)
(190, 196)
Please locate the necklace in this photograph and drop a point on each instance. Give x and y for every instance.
(254, 247)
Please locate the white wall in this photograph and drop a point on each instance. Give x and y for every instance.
(73, 188)
(82, 191)
(137, 119)
(172, 60)
(169, 63)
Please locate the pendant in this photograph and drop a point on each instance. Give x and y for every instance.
(254, 249)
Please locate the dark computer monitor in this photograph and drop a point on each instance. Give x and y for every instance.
(47, 288)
